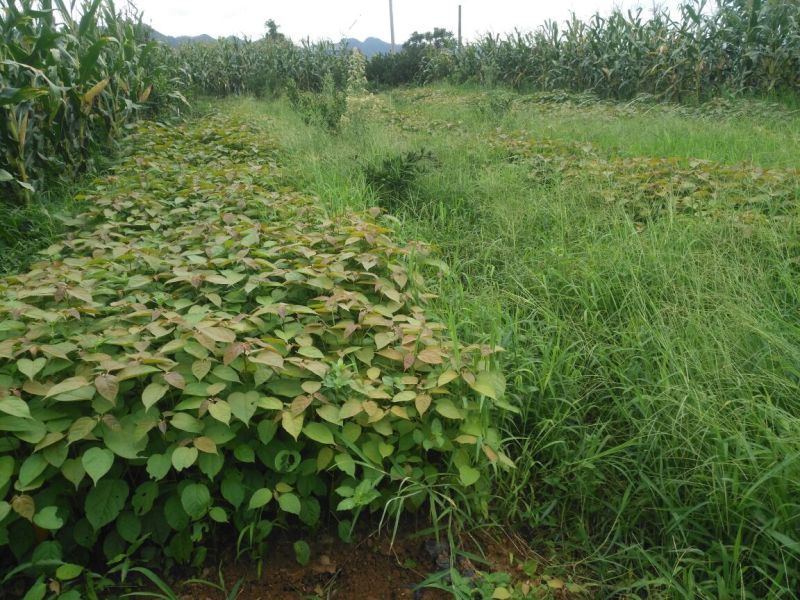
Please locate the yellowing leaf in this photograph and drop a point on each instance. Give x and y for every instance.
(405, 396)
(24, 506)
(175, 379)
(107, 386)
(383, 339)
(311, 387)
(310, 352)
(219, 334)
(350, 409)
(422, 403)
(431, 356)
(205, 444)
(293, 424)
(267, 357)
(446, 377)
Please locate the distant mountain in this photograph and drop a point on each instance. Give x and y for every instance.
(370, 46)
(181, 39)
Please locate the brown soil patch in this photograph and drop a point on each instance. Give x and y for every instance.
(373, 569)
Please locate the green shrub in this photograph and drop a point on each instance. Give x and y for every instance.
(325, 108)
(393, 177)
(210, 359)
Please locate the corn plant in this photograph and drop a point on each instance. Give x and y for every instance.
(264, 67)
(742, 47)
(69, 80)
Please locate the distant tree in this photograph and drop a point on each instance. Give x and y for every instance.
(408, 65)
(438, 38)
(272, 31)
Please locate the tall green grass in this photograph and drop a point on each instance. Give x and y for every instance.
(656, 368)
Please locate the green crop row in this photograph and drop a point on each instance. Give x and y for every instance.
(68, 85)
(263, 67)
(739, 47)
(208, 360)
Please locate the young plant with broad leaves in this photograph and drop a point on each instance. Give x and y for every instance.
(208, 358)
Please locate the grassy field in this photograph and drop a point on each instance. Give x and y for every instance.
(639, 263)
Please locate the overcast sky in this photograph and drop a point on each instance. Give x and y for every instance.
(335, 19)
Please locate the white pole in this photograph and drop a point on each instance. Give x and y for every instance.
(391, 23)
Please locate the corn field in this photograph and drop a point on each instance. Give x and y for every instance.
(69, 82)
(263, 67)
(743, 47)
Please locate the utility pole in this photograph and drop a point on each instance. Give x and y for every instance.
(391, 23)
(459, 26)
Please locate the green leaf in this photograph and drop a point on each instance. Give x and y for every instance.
(158, 466)
(244, 453)
(221, 411)
(468, 475)
(5, 510)
(319, 433)
(33, 466)
(105, 501)
(183, 458)
(68, 385)
(302, 552)
(260, 498)
(16, 407)
(218, 515)
(47, 518)
(30, 368)
(196, 500)
(144, 497)
(37, 591)
(186, 422)
(446, 408)
(97, 462)
(73, 471)
(68, 571)
(6, 470)
(81, 428)
(289, 503)
(310, 352)
(129, 527)
(233, 491)
(490, 383)
(210, 464)
(225, 373)
(243, 406)
(266, 431)
(153, 393)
